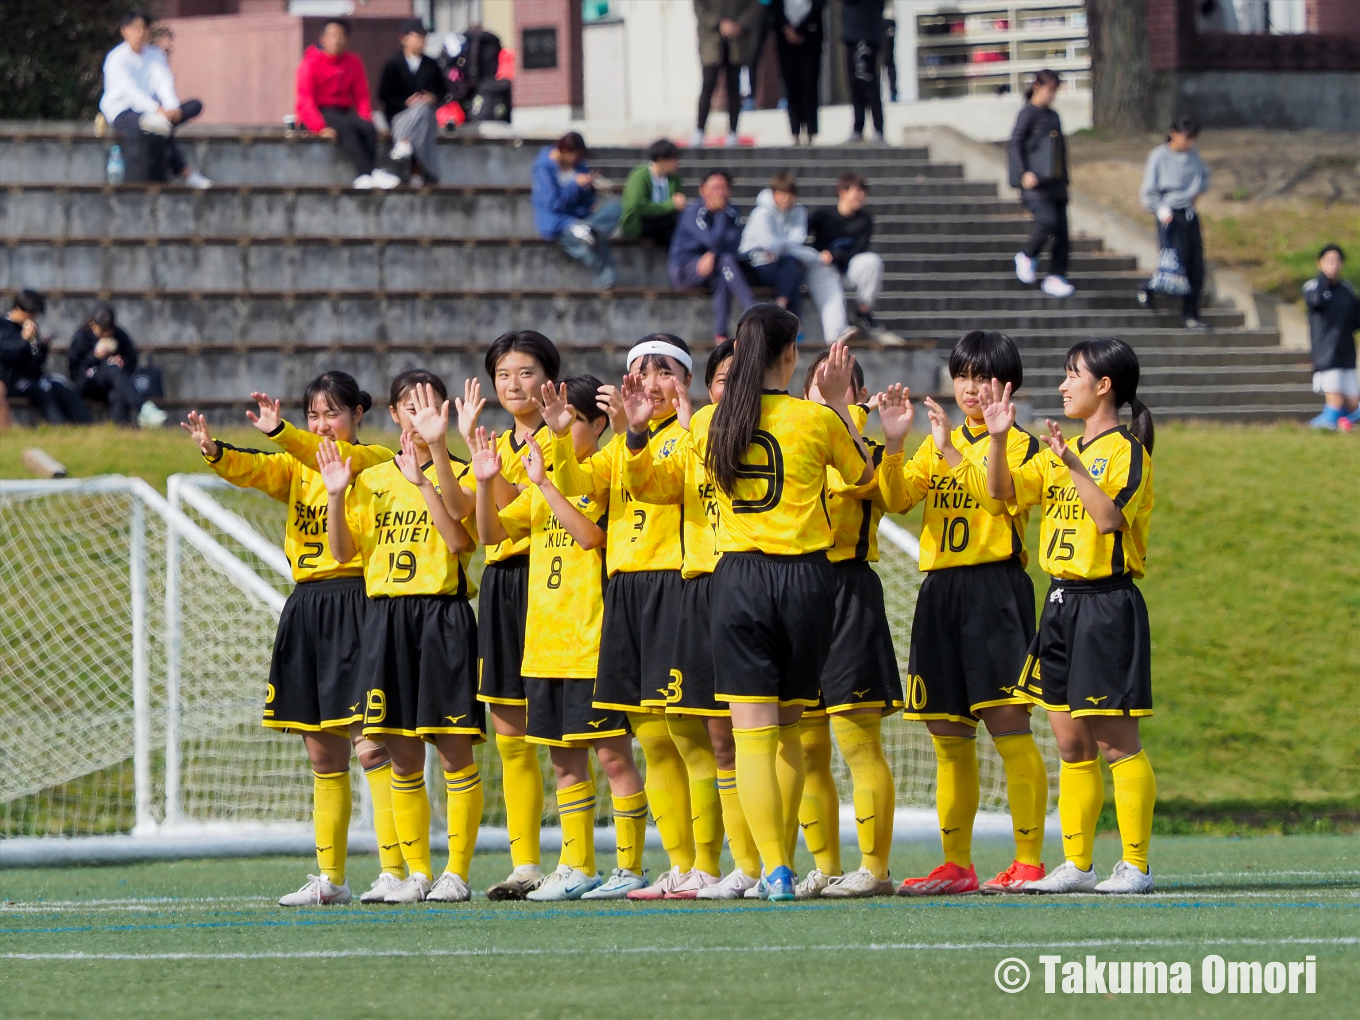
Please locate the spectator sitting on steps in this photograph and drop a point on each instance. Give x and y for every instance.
(1333, 318)
(332, 101)
(841, 234)
(102, 362)
(652, 201)
(23, 366)
(410, 89)
(774, 242)
(141, 107)
(704, 250)
(564, 207)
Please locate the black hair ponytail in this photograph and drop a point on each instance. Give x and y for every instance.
(340, 392)
(1109, 358)
(763, 333)
(1044, 77)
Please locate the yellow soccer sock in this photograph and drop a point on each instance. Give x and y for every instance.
(411, 811)
(1026, 793)
(576, 811)
(791, 775)
(692, 741)
(667, 784)
(819, 808)
(465, 802)
(630, 830)
(957, 791)
(384, 825)
(860, 737)
(331, 805)
(522, 784)
(1081, 794)
(758, 786)
(739, 840)
(1135, 795)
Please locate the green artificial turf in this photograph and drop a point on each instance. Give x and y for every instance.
(203, 939)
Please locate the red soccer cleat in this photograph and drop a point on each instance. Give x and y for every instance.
(1014, 879)
(946, 880)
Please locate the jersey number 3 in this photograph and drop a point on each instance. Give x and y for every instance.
(771, 472)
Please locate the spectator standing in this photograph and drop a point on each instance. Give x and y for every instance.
(774, 241)
(1037, 155)
(652, 201)
(102, 363)
(1174, 177)
(798, 40)
(333, 102)
(727, 36)
(704, 250)
(565, 210)
(862, 33)
(140, 104)
(890, 48)
(23, 365)
(840, 234)
(410, 88)
(1333, 318)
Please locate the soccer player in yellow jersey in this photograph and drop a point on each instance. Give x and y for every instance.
(860, 685)
(314, 686)
(1090, 663)
(773, 590)
(642, 604)
(518, 363)
(562, 646)
(420, 642)
(974, 618)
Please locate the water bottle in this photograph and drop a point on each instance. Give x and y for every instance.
(115, 169)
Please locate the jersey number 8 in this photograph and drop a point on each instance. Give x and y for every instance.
(555, 573)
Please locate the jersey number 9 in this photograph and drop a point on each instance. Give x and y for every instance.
(401, 566)
(771, 473)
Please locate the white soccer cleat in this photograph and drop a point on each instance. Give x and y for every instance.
(524, 878)
(1066, 878)
(730, 888)
(385, 883)
(318, 891)
(401, 149)
(1056, 286)
(1024, 268)
(668, 882)
(692, 884)
(364, 182)
(566, 883)
(618, 886)
(757, 891)
(1126, 880)
(858, 885)
(449, 888)
(812, 885)
(413, 889)
(384, 179)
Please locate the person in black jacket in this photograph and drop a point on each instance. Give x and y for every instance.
(101, 363)
(862, 32)
(23, 366)
(798, 40)
(1333, 318)
(1037, 155)
(410, 89)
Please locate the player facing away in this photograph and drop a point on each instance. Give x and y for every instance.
(562, 647)
(860, 686)
(1090, 662)
(700, 726)
(518, 364)
(315, 687)
(419, 652)
(974, 617)
(641, 607)
(773, 590)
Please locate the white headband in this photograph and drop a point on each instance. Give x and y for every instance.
(660, 347)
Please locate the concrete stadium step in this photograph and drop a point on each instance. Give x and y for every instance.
(992, 283)
(1052, 359)
(996, 264)
(1058, 320)
(1170, 398)
(1153, 378)
(743, 154)
(1144, 337)
(1029, 299)
(822, 191)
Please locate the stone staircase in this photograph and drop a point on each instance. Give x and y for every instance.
(281, 272)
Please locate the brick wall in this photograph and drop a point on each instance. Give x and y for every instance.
(1165, 25)
(564, 84)
(1334, 17)
(1333, 43)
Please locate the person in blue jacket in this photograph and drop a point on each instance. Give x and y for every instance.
(704, 250)
(564, 207)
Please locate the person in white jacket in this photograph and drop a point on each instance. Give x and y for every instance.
(774, 243)
(140, 105)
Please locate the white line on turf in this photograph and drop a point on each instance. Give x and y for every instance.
(879, 947)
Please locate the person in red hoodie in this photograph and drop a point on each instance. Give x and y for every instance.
(333, 102)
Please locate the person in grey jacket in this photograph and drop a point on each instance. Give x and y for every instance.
(1173, 179)
(774, 241)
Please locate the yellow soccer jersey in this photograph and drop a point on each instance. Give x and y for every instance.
(566, 589)
(779, 504)
(403, 553)
(960, 527)
(854, 510)
(296, 482)
(642, 535)
(681, 478)
(512, 470)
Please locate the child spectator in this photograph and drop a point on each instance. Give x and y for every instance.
(704, 250)
(652, 201)
(1333, 318)
(564, 207)
(1173, 179)
(774, 242)
(840, 234)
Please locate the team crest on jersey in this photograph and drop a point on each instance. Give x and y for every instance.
(1098, 466)
(583, 503)
(667, 448)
